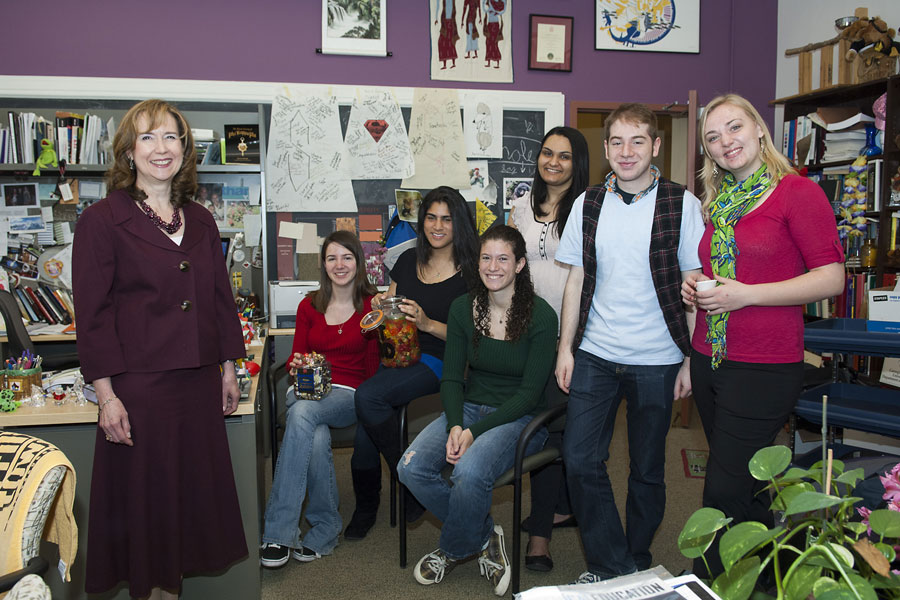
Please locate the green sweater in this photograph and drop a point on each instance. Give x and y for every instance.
(509, 376)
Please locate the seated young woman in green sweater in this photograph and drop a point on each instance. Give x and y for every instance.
(507, 337)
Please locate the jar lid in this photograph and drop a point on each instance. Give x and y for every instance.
(371, 320)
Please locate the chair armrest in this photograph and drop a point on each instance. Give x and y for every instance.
(536, 423)
(36, 566)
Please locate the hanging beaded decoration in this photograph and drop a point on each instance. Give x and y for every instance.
(169, 228)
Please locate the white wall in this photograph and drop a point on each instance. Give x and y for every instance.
(802, 22)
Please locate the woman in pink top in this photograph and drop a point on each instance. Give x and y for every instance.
(771, 244)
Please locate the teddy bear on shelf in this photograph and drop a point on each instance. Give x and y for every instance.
(873, 41)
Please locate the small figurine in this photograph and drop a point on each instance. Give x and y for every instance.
(46, 159)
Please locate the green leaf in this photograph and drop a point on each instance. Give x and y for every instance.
(800, 583)
(888, 551)
(856, 527)
(823, 585)
(769, 462)
(794, 473)
(784, 497)
(741, 539)
(842, 553)
(838, 593)
(700, 530)
(738, 582)
(885, 522)
(851, 477)
(863, 587)
(810, 501)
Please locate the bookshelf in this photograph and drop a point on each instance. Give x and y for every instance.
(861, 97)
(200, 114)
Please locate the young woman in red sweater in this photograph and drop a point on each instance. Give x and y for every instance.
(327, 323)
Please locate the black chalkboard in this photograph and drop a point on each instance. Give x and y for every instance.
(523, 131)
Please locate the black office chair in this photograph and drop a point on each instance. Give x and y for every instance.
(279, 371)
(551, 417)
(19, 341)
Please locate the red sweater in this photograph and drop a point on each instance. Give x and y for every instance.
(353, 357)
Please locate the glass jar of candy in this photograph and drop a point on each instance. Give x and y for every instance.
(398, 338)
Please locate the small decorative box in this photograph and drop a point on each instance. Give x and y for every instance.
(313, 379)
(20, 381)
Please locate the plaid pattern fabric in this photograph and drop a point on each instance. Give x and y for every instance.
(664, 270)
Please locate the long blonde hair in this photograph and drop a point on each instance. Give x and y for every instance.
(711, 175)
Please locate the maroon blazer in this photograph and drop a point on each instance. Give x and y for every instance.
(144, 303)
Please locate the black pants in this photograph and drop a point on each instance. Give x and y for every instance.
(742, 406)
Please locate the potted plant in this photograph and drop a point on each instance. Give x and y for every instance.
(817, 547)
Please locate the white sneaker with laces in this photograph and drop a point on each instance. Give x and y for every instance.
(587, 577)
(432, 567)
(494, 564)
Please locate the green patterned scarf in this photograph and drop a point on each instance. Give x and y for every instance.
(735, 199)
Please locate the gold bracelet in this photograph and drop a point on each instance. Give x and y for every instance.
(105, 402)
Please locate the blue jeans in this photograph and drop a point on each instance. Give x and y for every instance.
(305, 461)
(596, 389)
(464, 503)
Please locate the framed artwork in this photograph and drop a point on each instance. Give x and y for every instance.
(550, 43)
(354, 27)
(648, 26)
(20, 194)
(514, 188)
(471, 40)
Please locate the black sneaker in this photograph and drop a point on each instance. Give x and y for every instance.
(304, 554)
(494, 564)
(587, 577)
(273, 556)
(432, 567)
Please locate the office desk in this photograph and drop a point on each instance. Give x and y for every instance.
(72, 429)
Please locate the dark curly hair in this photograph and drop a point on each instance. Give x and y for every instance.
(362, 287)
(579, 182)
(465, 239)
(518, 316)
(121, 176)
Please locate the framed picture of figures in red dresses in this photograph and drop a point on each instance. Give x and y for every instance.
(550, 43)
(471, 40)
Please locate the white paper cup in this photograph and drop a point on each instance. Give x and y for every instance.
(706, 284)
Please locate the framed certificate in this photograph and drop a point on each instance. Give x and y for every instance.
(550, 43)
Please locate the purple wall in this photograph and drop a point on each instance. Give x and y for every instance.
(275, 40)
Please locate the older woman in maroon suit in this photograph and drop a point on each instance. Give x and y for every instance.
(157, 335)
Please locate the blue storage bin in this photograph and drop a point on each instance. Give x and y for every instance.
(872, 409)
(851, 337)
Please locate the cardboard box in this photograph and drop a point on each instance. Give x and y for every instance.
(884, 310)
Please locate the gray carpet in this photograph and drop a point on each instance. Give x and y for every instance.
(370, 568)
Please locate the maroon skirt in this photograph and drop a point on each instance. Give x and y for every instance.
(166, 506)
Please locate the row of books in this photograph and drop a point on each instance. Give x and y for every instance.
(831, 134)
(77, 139)
(43, 304)
(852, 303)
(832, 179)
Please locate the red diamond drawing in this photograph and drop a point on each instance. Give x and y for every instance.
(376, 128)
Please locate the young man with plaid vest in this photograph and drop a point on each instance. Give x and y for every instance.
(625, 333)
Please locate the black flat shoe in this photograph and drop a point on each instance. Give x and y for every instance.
(541, 562)
(570, 522)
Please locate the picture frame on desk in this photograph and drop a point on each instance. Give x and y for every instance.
(368, 37)
(550, 43)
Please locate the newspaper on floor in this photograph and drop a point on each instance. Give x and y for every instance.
(653, 584)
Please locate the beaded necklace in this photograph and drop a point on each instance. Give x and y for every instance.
(169, 228)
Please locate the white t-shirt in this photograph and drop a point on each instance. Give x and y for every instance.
(626, 324)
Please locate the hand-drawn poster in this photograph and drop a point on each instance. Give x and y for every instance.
(648, 25)
(306, 167)
(471, 40)
(483, 125)
(436, 139)
(376, 140)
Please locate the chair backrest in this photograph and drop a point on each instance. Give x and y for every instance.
(18, 337)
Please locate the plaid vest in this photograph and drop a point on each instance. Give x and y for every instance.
(664, 269)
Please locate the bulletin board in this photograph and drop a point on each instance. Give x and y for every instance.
(524, 123)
